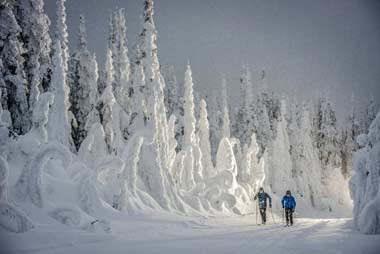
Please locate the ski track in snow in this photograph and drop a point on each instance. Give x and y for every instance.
(197, 235)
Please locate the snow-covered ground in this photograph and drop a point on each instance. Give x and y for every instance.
(172, 234)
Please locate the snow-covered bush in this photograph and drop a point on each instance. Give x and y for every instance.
(40, 116)
(31, 181)
(12, 218)
(251, 173)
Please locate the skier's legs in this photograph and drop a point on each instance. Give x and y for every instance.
(291, 216)
(263, 215)
(287, 215)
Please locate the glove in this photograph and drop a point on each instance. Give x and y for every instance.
(283, 207)
(292, 210)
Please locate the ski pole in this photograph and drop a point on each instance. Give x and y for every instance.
(274, 222)
(294, 217)
(257, 203)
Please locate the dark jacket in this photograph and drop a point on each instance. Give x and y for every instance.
(263, 196)
(288, 202)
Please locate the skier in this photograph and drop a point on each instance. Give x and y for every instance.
(289, 204)
(263, 196)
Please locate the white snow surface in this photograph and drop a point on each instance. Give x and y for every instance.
(165, 233)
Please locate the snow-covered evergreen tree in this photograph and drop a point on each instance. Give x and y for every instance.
(58, 126)
(147, 56)
(137, 102)
(5, 124)
(293, 128)
(326, 136)
(370, 114)
(154, 160)
(306, 165)
(11, 217)
(326, 132)
(62, 35)
(188, 180)
(40, 116)
(260, 115)
(15, 93)
(226, 132)
(251, 173)
(83, 85)
(346, 140)
(35, 36)
(214, 122)
(280, 165)
(174, 102)
(171, 92)
(244, 124)
(204, 143)
(364, 184)
(120, 61)
(105, 78)
(110, 112)
(354, 121)
(262, 85)
(106, 102)
(189, 108)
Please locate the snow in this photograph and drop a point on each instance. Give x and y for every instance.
(174, 234)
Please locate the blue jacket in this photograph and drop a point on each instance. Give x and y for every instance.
(288, 202)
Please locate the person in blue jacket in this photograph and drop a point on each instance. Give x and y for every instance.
(289, 204)
(262, 201)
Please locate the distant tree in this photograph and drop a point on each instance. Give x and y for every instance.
(204, 143)
(244, 123)
(137, 102)
(214, 113)
(62, 34)
(83, 78)
(226, 132)
(189, 138)
(58, 126)
(117, 43)
(325, 132)
(174, 103)
(259, 107)
(370, 114)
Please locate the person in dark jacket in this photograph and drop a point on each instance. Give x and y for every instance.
(262, 201)
(289, 204)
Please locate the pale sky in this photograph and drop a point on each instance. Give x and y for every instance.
(305, 46)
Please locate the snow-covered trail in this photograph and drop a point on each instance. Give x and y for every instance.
(197, 235)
